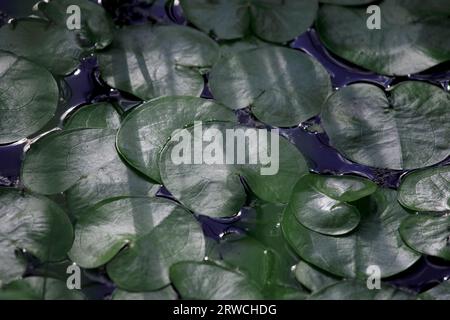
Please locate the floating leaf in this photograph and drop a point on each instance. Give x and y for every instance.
(275, 21)
(139, 239)
(406, 130)
(37, 288)
(97, 115)
(440, 292)
(376, 241)
(166, 293)
(83, 162)
(282, 86)
(194, 280)
(353, 290)
(28, 97)
(313, 278)
(427, 234)
(214, 187)
(148, 127)
(413, 35)
(426, 190)
(168, 62)
(32, 223)
(231, 47)
(320, 202)
(96, 27)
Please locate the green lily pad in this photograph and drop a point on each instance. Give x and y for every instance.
(406, 130)
(313, 278)
(282, 86)
(320, 202)
(413, 35)
(28, 97)
(47, 44)
(169, 62)
(440, 292)
(97, 115)
(275, 21)
(38, 288)
(166, 293)
(354, 290)
(427, 234)
(376, 241)
(32, 223)
(426, 190)
(206, 281)
(147, 128)
(139, 239)
(230, 47)
(84, 164)
(214, 188)
(96, 27)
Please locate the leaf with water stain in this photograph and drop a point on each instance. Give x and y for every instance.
(406, 129)
(97, 115)
(213, 185)
(376, 241)
(32, 223)
(413, 35)
(169, 62)
(274, 21)
(28, 97)
(282, 86)
(147, 128)
(320, 203)
(426, 190)
(207, 281)
(139, 239)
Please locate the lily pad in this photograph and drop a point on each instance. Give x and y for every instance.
(428, 234)
(426, 190)
(206, 281)
(213, 187)
(147, 128)
(406, 130)
(84, 164)
(97, 115)
(139, 239)
(96, 27)
(376, 241)
(439, 292)
(38, 288)
(313, 278)
(320, 203)
(28, 97)
(354, 290)
(413, 35)
(166, 293)
(169, 62)
(275, 21)
(32, 223)
(47, 44)
(282, 86)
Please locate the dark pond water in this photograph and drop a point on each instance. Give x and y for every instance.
(85, 86)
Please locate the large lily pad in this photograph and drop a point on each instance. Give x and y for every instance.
(282, 86)
(428, 234)
(97, 115)
(413, 35)
(426, 190)
(376, 241)
(148, 127)
(275, 21)
(139, 239)
(320, 202)
(83, 162)
(406, 130)
(354, 290)
(215, 188)
(28, 97)
(32, 223)
(194, 280)
(169, 61)
(38, 288)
